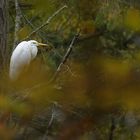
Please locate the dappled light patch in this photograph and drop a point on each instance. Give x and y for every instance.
(132, 19)
(116, 69)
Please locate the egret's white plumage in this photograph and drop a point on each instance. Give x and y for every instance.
(21, 57)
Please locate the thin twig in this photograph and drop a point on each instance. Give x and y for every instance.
(28, 21)
(47, 22)
(70, 71)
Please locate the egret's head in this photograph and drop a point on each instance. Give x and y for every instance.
(36, 44)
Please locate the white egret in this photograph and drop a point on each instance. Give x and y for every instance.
(21, 57)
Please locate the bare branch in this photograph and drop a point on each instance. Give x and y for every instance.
(50, 124)
(3, 33)
(65, 57)
(47, 22)
(17, 22)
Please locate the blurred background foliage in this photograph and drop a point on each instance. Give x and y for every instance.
(96, 94)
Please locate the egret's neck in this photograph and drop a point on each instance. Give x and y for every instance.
(34, 51)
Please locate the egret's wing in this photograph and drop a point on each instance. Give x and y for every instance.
(20, 58)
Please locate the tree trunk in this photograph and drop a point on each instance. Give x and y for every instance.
(3, 33)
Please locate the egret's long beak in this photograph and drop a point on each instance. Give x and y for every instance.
(44, 45)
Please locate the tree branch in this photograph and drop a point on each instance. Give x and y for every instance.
(50, 124)
(47, 22)
(17, 22)
(67, 54)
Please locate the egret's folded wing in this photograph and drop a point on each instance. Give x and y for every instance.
(20, 58)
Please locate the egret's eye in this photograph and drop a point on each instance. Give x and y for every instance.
(34, 43)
